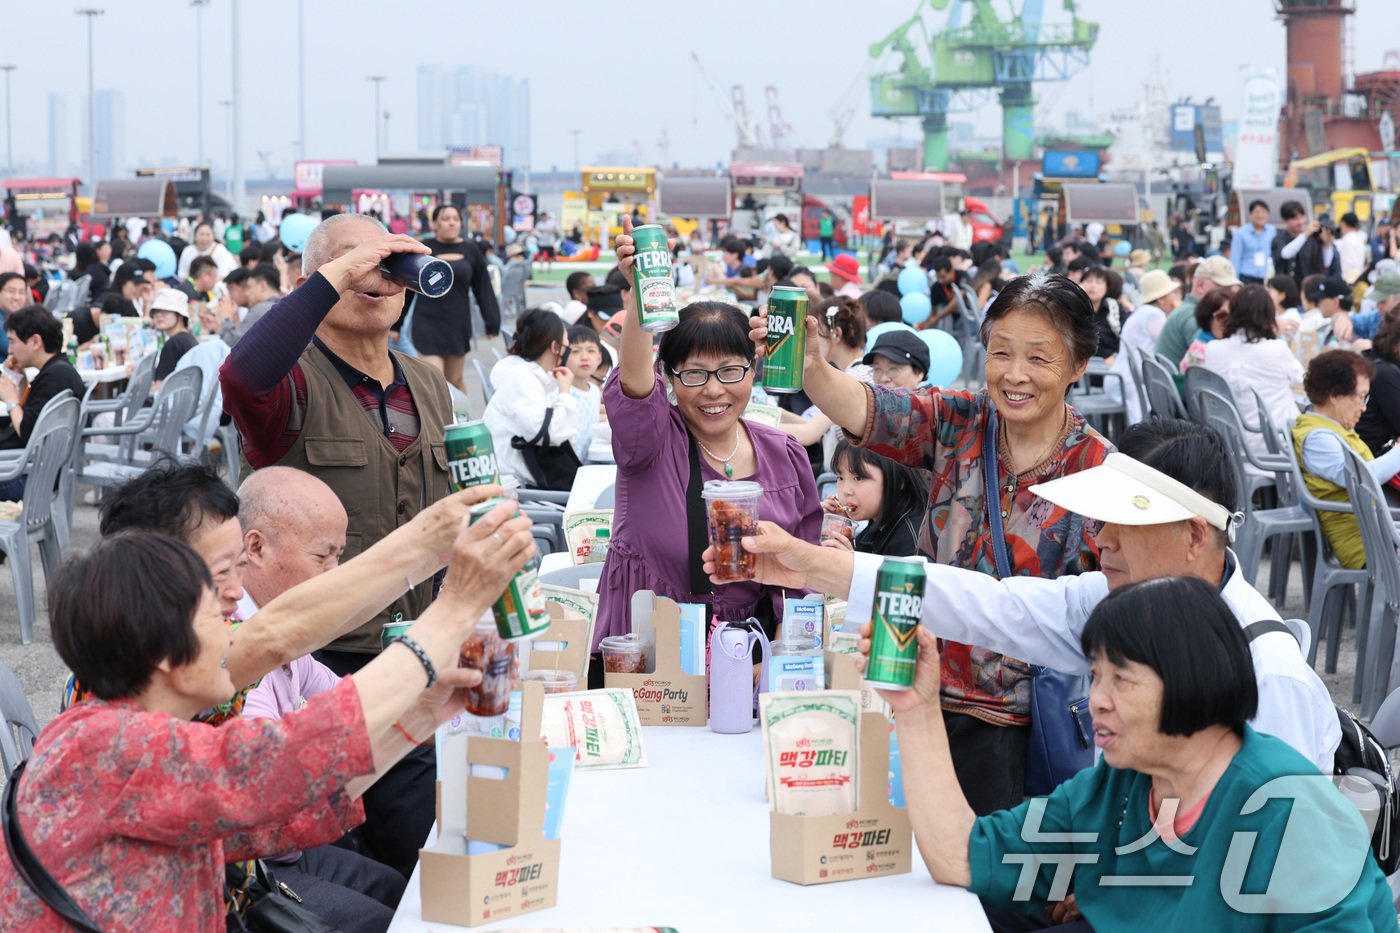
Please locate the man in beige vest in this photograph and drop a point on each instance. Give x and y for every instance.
(313, 385)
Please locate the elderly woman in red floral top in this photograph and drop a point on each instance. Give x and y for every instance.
(134, 809)
(1039, 335)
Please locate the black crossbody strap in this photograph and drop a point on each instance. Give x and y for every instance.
(1263, 627)
(542, 439)
(696, 525)
(28, 867)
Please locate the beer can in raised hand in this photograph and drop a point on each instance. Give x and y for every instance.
(787, 340)
(895, 620)
(471, 457)
(520, 612)
(652, 283)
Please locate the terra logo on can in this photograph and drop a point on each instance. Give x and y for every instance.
(471, 457)
(896, 616)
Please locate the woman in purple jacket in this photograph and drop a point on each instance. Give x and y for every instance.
(676, 429)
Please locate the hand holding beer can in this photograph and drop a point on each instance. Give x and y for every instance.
(652, 283)
(895, 620)
(787, 340)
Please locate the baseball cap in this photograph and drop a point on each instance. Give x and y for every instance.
(1124, 491)
(1218, 269)
(1387, 286)
(1330, 287)
(128, 272)
(172, 299)
(900, 346)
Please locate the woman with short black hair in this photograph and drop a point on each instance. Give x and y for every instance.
(675, 429)
(134, 809)
(1201, 812)
(1380, 422)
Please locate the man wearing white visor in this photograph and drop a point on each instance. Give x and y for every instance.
(1160, 499)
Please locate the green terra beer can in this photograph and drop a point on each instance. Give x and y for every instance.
(471, 458)
(896, 616)
(520, 612)
(651, 280)
(392, 630)
(787, 340)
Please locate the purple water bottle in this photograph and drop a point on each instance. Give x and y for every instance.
(733, 694)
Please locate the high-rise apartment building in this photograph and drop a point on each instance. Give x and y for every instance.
(110, 135)
(470, 106)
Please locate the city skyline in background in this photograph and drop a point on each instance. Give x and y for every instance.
(551, 100)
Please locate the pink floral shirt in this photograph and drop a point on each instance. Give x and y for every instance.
(135, 813)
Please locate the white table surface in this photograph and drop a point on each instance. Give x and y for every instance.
(589, 483)
(556, 561)
(110, 374)
(684, 843)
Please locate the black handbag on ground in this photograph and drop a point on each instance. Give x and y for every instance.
(266, 905)
(1060, 744)
(551, 467)
(29, 869)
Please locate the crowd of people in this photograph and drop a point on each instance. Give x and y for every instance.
(231, 698)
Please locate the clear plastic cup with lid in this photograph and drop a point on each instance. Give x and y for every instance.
(487, 652)
(553, 681)
(623, 654)
(731, 509)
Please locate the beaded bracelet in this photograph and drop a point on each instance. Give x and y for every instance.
(417, 649)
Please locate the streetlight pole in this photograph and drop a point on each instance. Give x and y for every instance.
(228, 134)
(301, 79)
(199, 6)
(378, 80)
(236, 198)
(91, 13)
(9, 135)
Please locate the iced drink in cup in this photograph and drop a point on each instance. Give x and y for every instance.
(623, 654)
(732, 511)
(553, 681)
(838, 526)
(487, 652)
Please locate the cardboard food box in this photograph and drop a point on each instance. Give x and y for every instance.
(668, 696)
(875, 840)
(470, 890)
(563, 646)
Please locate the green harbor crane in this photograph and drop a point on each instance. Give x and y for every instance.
(966, 63)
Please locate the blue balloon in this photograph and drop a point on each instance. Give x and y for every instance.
(945, 357)
(912, 279)
(1122, 248)
(167, 225)
(916, 307)
(294, 230)
(160, 253)
(874, 333)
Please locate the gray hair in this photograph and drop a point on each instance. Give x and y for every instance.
(316, 252)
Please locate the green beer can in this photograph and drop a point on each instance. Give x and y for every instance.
(896, 616)
(520, 612)
(652, 284)
(471, 457)
(392, 630)
(787, 340)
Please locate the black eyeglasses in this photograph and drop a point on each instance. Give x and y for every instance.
(694, 378)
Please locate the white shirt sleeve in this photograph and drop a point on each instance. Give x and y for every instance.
(1289, 711)
(1025, 617)
(1291, 250)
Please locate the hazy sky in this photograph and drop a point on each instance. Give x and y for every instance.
(618, 71)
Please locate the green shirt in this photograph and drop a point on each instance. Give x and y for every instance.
(1308, 865)
(1177, 331)
(826, 226)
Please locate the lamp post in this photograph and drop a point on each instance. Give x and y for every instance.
(9, 135)
(301, 80)
(228, 127)
(199, 6)
(378, 80)
(236, 196)
(91, 13)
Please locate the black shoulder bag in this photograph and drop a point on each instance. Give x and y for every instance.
(29, 869)
(1060, 745)
(551, 467)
